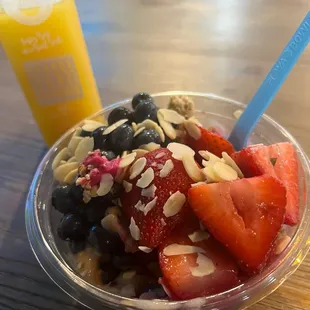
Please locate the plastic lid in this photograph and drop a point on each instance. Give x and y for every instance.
(14, 9)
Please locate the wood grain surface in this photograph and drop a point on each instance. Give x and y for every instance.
(220, 46)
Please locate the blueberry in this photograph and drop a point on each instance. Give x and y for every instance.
(124, 261)
(146, 110)
(120, 113)
(105, 241)
(62, 200)
(76, 192)
(140, 97)
(121, 139)
(145, 137)
(108, 154)
(94, 211)
(72, 227)
(99, 139)
(77, 246)
(109, 273)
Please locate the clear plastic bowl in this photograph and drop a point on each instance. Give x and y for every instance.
(55, 258)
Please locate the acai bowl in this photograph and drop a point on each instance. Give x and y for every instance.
(123, 253)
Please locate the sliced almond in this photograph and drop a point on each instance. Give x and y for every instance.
(85, 146)
(106, 184)
(71, 160)
(199, 235)
(171, 116)
(191, 168)
(62, 171)
(167, 127)
(139, 206)
(209, 156)
(174, 204)
(134, 126)
(150, 146)
(127, 160)
(134, 230)
(181, 249)
(161, 133)
(127, 186)
(160, 155)
(70, 177)
(91, 126)
(114, 126)
(178, 150)
(149, 191)
(229, 161)
(149, 206)
(224, 172)
(140, 152)
(204, 268)
(62, 155)
(125, 153)
(192, 129)
(167, 168)
(162, 221)
(281, 244)
(139, 131)
(137, 168)
(145, 249)
(210, 175)
(73, 144)
(148, 124)
(146, 178)
(92, 122)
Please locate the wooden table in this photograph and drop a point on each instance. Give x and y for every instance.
(220, 46)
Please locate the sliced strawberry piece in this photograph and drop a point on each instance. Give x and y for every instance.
(178, 274)
(286, 169)
(256, 160)
(154, 226)
(209, 141)
(244, 215)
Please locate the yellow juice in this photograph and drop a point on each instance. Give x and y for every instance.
(48, 53)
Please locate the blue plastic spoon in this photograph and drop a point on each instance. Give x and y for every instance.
(270, 86)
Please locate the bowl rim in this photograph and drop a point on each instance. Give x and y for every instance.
(71, 283)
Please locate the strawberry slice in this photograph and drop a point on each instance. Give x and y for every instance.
(209, 141)
(244, 215)
(219, 274)
(154, 226)
(257, 160)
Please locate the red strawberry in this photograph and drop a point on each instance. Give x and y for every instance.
(286, 169)
(178, 275)
(209, 141)
(256, 160)
(244, 215)
(154, 227)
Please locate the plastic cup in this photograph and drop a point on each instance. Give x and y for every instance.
(56, 259)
